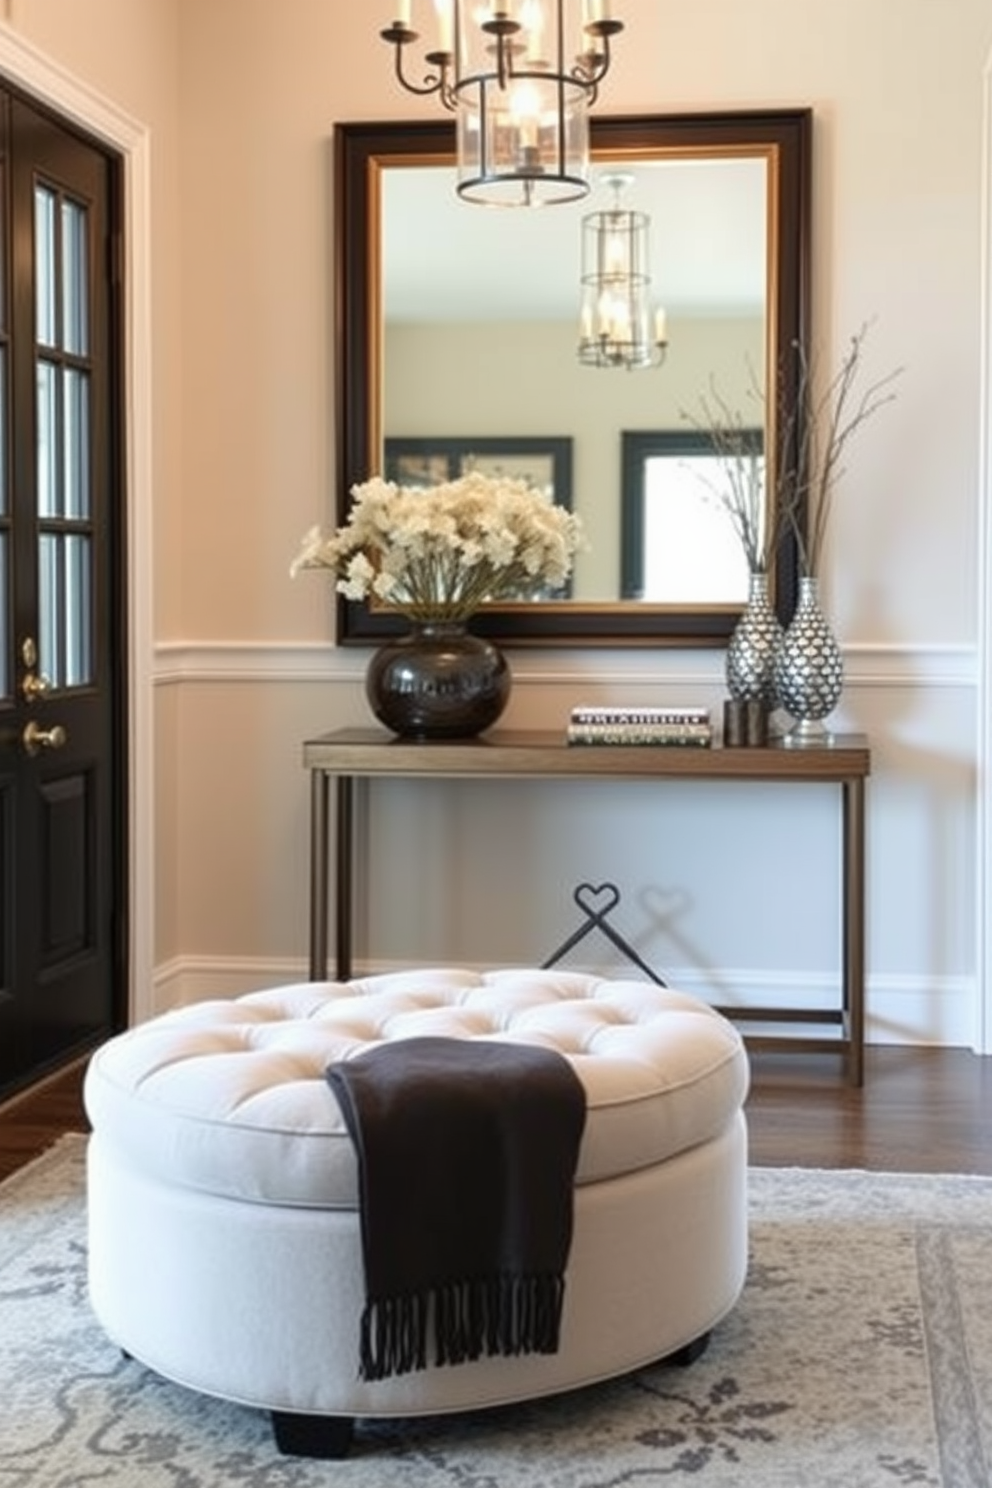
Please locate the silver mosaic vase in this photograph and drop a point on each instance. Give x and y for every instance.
(809, 669)
(753, 647)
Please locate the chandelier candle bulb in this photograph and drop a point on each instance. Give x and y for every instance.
(445, 24)
(533, 19)
(403, 14)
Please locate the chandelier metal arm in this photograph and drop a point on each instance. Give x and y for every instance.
(434, 82)
(504, 30)
(593, 65)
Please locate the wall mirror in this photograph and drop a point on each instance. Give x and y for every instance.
(458, 326)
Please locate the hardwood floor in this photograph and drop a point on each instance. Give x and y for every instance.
(37, 1117)
(921, 1110)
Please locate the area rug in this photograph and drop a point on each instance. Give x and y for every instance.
(860, 1354)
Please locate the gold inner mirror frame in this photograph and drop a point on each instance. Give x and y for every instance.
(364, 151)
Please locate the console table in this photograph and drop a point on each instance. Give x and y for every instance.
(348, 755)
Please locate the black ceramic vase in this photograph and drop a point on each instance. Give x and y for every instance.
(438, 682)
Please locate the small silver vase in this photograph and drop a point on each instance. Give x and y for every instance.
(809, 669)
(753, 647)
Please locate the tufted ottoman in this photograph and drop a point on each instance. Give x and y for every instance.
(224, 1241)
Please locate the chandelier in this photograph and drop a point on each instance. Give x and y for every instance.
(520, 77)
(619, 326)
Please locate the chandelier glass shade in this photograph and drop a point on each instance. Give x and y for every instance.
(619, 324)
(520, 77)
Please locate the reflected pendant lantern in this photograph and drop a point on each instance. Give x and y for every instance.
(520, 77)
(619, 327)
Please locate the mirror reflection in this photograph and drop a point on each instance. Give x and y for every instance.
(677, 545)
(481, 325)
(474, 324)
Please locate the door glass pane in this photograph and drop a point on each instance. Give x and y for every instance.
(5, 547)
(47, 419)
(75, 327)
(76, 444)
(63, 495)
(44, 239)
(65, 628)
(4, 612)
(4, 284)
(48, 606)
(4, 492)
(78, 630)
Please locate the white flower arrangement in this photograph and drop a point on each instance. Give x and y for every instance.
(439, 553)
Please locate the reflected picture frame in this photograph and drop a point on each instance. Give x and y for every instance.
(544, 463)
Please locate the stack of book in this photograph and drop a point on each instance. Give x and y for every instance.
(640, 726)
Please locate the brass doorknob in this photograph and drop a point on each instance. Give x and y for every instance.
(35, 739)
(35, 686)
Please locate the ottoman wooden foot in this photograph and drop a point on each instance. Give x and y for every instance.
(688, 1353)
(312, 1436)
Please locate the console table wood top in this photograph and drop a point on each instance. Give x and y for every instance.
(364, 751)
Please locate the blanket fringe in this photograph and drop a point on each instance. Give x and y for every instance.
(503, 1315)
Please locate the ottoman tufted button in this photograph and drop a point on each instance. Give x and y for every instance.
(210, 1094)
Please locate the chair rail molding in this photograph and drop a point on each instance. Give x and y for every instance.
(867, 665)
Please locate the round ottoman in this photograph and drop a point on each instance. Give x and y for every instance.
(224, 1235)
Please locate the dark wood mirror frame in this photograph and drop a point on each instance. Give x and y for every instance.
(362, 150)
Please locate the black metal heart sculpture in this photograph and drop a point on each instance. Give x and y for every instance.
(596, 900)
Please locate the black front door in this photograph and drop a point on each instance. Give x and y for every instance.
(63, 913)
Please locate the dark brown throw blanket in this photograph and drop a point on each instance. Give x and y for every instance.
(466, 1159)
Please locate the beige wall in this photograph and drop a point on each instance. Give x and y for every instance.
(241, 97)
(897, 238)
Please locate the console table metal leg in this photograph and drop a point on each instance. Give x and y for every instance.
(318, 875)
(854, 927)
(344, 869)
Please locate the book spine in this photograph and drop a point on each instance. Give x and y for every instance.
(639, 717)
(629, 733)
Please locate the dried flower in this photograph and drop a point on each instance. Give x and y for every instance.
(739, 449)
(441, 552)
(817, 428)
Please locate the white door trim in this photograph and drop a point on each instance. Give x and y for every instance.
(983, 742)
(36, 74)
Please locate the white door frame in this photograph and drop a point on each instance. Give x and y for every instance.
(983, 743)
(36, 74)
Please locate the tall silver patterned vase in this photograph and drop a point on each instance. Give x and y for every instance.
(809, 669)
(753, 647)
